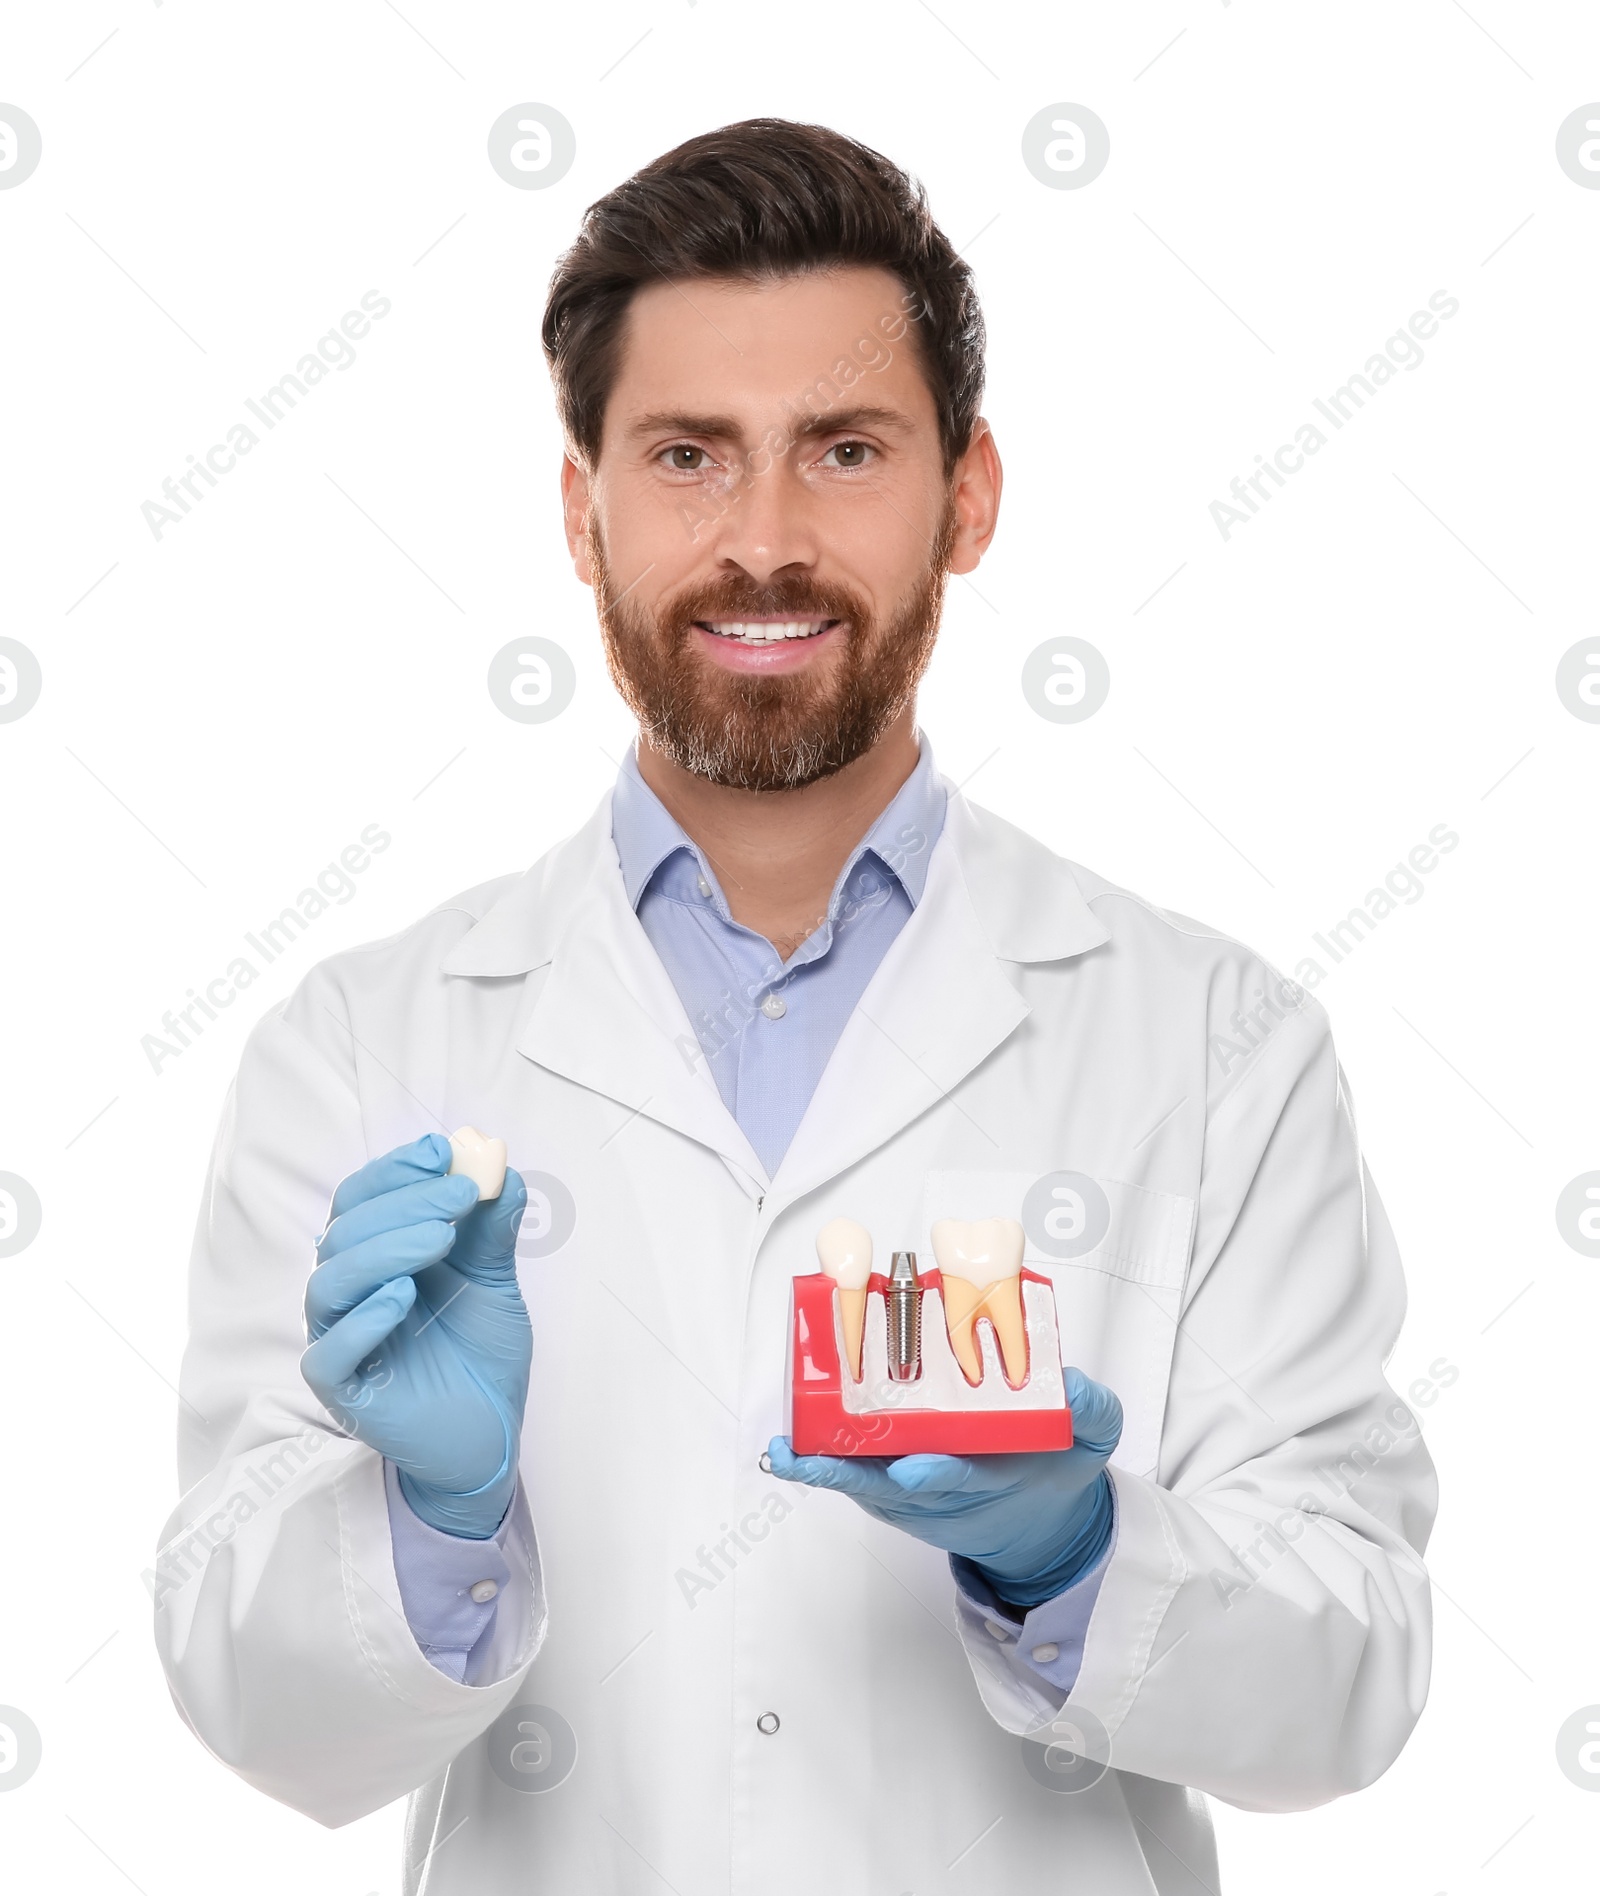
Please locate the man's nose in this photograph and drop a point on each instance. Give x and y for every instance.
(769, 525)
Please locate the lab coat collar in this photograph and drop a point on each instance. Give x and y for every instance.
(608, 1017)
(646, 833)
(1028, 904)
(519, 931)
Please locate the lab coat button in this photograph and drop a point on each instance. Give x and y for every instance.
(1042, 1655)
(774, 1007)
(999, 1631)
(483, 1591)
(767, 1724)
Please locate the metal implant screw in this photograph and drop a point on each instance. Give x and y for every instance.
(905, 1318)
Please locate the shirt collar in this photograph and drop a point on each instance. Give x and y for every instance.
(646, 834)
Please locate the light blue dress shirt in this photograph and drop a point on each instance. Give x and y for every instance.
(766, 1029)
(766, 1026)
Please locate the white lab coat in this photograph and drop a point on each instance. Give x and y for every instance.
(1029, 1018)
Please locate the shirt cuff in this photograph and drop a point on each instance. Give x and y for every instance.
(450, 1587)
(1049, 1639)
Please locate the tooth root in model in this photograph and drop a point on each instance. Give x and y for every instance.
(480, 1159)
(844, 1250)
(980, 1265)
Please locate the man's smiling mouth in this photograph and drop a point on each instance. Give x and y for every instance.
(764, 631)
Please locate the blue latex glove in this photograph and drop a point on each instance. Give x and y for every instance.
(1030, 1524)
(420, 1340)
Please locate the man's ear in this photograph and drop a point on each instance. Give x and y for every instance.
(975, 486)
(575, 517)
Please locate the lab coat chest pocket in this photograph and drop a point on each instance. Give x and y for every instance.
(1119, 1291)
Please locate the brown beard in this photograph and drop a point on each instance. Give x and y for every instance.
(767, 733)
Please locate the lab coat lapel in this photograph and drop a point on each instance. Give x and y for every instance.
(942, 1000)
(609, 1018)
(601, 1009)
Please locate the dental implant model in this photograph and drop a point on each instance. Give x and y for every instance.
(961, 1360)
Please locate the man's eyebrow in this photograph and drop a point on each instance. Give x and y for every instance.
(839, 420)
(674, 421)
(682, 421)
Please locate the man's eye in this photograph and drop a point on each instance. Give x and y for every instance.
(687, 458)
(850, 453)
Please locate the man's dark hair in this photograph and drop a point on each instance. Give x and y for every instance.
(762, 199)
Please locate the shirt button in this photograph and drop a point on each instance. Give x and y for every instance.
(767, 1724)
(998, 1631)
(1042, 1655)
(483, 1591)
(774, 1007)
(703, 886)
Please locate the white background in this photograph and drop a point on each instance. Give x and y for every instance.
(1291, 712)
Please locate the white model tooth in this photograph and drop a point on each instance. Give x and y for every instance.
(480, 1159)
(844, 1250)
(981, 1263)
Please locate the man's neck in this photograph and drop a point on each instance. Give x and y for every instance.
(778, 853)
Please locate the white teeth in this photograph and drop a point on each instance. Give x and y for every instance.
(480, 1159)
(980, 1265)
(844, 1250)
(764, 632)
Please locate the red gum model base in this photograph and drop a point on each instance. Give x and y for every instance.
(819, 1423)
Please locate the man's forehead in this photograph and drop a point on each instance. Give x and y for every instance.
(722, 344)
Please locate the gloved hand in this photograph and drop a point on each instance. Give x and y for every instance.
(420, 1340)
(1030, 1524)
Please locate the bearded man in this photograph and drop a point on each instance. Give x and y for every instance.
(537, 1549)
